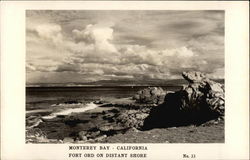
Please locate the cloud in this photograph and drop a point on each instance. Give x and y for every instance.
(217, 73)
(68, 68)
(178, 52)
(30, 67)
(97, 35)
(192, 27)
(207, 42)
(159, 44)
(48, 31)
(137, 54)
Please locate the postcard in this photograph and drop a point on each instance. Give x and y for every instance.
(124, 80)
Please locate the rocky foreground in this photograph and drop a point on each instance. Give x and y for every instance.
(152, 113)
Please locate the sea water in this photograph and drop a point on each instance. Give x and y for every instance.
(53, 101)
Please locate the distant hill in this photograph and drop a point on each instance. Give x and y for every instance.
(151, 82)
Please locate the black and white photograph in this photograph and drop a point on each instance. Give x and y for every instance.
(125, 76)
(110, 80)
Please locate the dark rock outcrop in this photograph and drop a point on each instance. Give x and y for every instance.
(132, 118)
(202, 93)
(199, 101)
(150, 95)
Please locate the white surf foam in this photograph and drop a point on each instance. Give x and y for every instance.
(66, 105)
(38, 110)
(87, 107)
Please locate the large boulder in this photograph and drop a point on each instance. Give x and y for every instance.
(199, 101)
(202, 93)
(193, 77)
(150, 95)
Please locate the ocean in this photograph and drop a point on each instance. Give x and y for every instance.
(51, 102)
(44, 97)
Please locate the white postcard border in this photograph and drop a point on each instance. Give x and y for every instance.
(236, 144)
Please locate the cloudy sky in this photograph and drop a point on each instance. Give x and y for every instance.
(87, 46)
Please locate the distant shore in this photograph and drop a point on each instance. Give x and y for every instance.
(156, 83)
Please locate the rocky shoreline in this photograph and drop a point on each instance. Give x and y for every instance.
(200, 103)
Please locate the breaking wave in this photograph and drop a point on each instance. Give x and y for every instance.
(65, 112)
